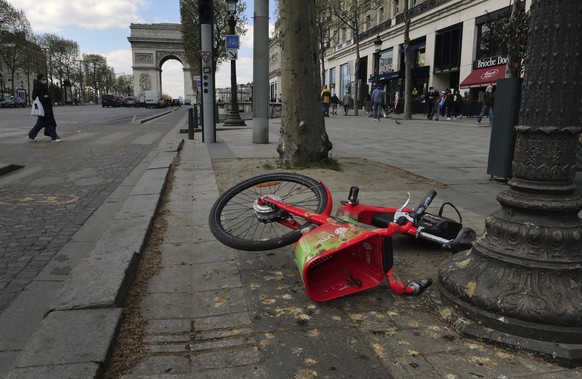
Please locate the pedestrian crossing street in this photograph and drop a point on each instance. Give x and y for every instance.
(18, 136)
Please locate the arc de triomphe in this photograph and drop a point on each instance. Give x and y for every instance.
(151, 46)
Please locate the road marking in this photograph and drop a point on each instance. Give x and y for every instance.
(54, 199)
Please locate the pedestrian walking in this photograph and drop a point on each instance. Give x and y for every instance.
(334, 103)
(450, 104)
(325, 101)
(437, 105)
(487, 105)
(368, 104)
(458, 104)
(40, 90)
(378, 96)
(347, 102)
(429, 97)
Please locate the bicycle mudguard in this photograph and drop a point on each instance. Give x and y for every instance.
(339, 260)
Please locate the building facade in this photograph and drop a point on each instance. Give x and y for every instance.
(450, 40)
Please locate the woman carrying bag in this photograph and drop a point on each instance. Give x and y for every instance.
(40, 91)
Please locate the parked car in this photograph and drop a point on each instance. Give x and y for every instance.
(13, 102)
(109, 101)
(130, 101)
(176, 103)
(187, 102)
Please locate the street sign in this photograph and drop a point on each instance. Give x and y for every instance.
(206, 54)
(232, 42)
(232, 54)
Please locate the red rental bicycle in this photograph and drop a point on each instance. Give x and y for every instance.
(336, 256)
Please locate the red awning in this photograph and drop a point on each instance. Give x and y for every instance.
(482, 77)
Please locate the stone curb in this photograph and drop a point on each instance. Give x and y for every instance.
(75, 337)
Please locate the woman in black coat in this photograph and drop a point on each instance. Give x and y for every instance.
(40, 90)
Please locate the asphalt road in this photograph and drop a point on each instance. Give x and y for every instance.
(58, 186)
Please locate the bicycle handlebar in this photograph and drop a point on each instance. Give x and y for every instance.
(417, 213)
(463, 240)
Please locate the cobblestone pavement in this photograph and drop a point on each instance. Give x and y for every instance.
(62, 184)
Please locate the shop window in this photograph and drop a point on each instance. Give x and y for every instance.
(386, 62)
(486, 45)
(448, 49)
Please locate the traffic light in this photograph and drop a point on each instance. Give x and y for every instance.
(205, 11)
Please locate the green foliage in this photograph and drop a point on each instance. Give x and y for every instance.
(510, 33)
(191, 30)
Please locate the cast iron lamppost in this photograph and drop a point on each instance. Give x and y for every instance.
(521, 283)
(233, 118)
(377, 48)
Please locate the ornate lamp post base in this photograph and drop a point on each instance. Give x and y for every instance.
(234, 119)
(521, 283)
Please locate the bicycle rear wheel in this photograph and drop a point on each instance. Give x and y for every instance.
(235, 223)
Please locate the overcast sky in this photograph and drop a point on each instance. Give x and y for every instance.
(102, 27)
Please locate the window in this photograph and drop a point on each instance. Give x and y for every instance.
(381, 15)
(385, 62)
(486, 46)
(332, 78)
(396, 7)
(448, 48)
(345, 82)
(368, 22)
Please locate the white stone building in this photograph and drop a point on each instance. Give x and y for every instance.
(447, 37)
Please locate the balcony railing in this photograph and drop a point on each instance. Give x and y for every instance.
(417, 10)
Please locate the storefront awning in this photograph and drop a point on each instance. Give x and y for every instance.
(385, 77)
(482, 77)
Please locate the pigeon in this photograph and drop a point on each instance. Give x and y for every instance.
(397, 122)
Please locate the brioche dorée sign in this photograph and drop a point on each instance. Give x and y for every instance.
(489, 62)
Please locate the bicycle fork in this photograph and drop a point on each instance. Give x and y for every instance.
(414, 287)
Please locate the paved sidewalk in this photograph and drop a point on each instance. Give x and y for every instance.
(215, 312)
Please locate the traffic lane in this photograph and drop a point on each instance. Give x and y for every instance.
(60, 187)
(81, 114)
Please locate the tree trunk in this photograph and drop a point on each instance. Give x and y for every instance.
(303, 137)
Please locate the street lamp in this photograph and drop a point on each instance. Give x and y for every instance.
(377, 48)
(233, 118)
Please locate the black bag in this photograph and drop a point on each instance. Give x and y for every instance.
(439, 225)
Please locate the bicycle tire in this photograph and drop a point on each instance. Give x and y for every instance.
(235, 223)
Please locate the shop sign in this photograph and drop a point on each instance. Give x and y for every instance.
(489, 62)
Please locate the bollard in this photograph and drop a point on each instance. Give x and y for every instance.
(190, 124)
(195, 116)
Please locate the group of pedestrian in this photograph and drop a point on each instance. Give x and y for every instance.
(40, 91)
(329, 101)
(444, 104)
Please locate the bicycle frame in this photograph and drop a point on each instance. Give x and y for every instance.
(338, 258)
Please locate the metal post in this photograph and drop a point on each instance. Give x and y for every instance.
(233, 118)
(206, 11)
(520, 284)
(190, 123)
(261, 73)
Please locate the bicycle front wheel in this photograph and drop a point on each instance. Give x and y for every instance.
(236, 223)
